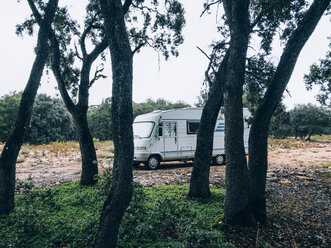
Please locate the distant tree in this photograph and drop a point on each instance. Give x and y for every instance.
(160, 104)
(307, 120)
(14, 142)
(9, 105)
(99, 119)
(131, 25)
(280, 123)
(50, 121)
(320, 75)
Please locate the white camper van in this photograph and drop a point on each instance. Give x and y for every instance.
(171, 135)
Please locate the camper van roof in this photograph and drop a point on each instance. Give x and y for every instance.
(179, 114)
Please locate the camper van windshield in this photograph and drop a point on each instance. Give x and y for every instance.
(142, 129)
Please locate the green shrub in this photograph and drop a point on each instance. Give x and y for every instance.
(68, 216)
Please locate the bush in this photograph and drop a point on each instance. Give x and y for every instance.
(50, 122)
(9, 105)
(68, 216)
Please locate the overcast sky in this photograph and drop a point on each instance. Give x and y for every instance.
(176, 79)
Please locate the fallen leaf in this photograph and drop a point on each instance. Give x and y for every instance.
(285, 182)
(303, 177)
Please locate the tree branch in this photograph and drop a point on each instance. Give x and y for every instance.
(138, 47)
(209, 58)
(82, 39)
(257, 20)
(35, 12)
(97, 75)
(77, 53)
(126, 6)
(207, 6)
(58, 75)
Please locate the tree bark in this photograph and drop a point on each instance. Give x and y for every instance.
(122, 188)
(199, 183)
(15, 140)
(87, 150)
(236, 200)
(258, 138)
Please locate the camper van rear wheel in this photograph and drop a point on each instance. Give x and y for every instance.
(153, 162)
(219, 159)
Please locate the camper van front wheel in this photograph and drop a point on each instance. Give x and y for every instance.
(219, 159)
(153, 162)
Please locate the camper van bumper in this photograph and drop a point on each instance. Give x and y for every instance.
(141, 157)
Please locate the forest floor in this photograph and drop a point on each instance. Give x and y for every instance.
(298, 187)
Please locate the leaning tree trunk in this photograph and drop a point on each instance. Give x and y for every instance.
(199, 183)
(258, 137)
(122, 188)
(236, 200)
(87, 149)
(15, 140)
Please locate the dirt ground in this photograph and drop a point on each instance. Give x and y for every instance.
(46, 165)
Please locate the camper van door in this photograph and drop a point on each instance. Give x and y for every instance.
(170, 140)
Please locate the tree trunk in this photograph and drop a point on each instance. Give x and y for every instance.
(15, 140)
(199, 183)
(122, 188)
(258, 138)
(87, 150)
(309, 136)
(236, 200)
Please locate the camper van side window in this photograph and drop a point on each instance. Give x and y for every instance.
(169, 129)
(160, 129)
(192, 127)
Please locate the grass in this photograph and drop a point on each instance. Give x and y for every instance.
(291, 142)
(67, 216)
(321, 138)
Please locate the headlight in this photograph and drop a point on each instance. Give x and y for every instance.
(141, 148)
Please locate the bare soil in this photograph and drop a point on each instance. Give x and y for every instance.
(46, 165)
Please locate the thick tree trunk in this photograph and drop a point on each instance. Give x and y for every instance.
(236, 200)
(15, 140)
(122, 188)
(199, 183)
(87, 150)
(258, 163)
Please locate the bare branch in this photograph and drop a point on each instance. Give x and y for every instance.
(138, 47)
(209, 58)
(257, 20)
(97, 75)
(77, 53)
(145, 7)
(208, 6)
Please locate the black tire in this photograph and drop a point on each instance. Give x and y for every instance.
(219, 159)
(136, 164)
(153, 162)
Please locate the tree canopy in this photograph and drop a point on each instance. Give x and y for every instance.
(320, 75)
